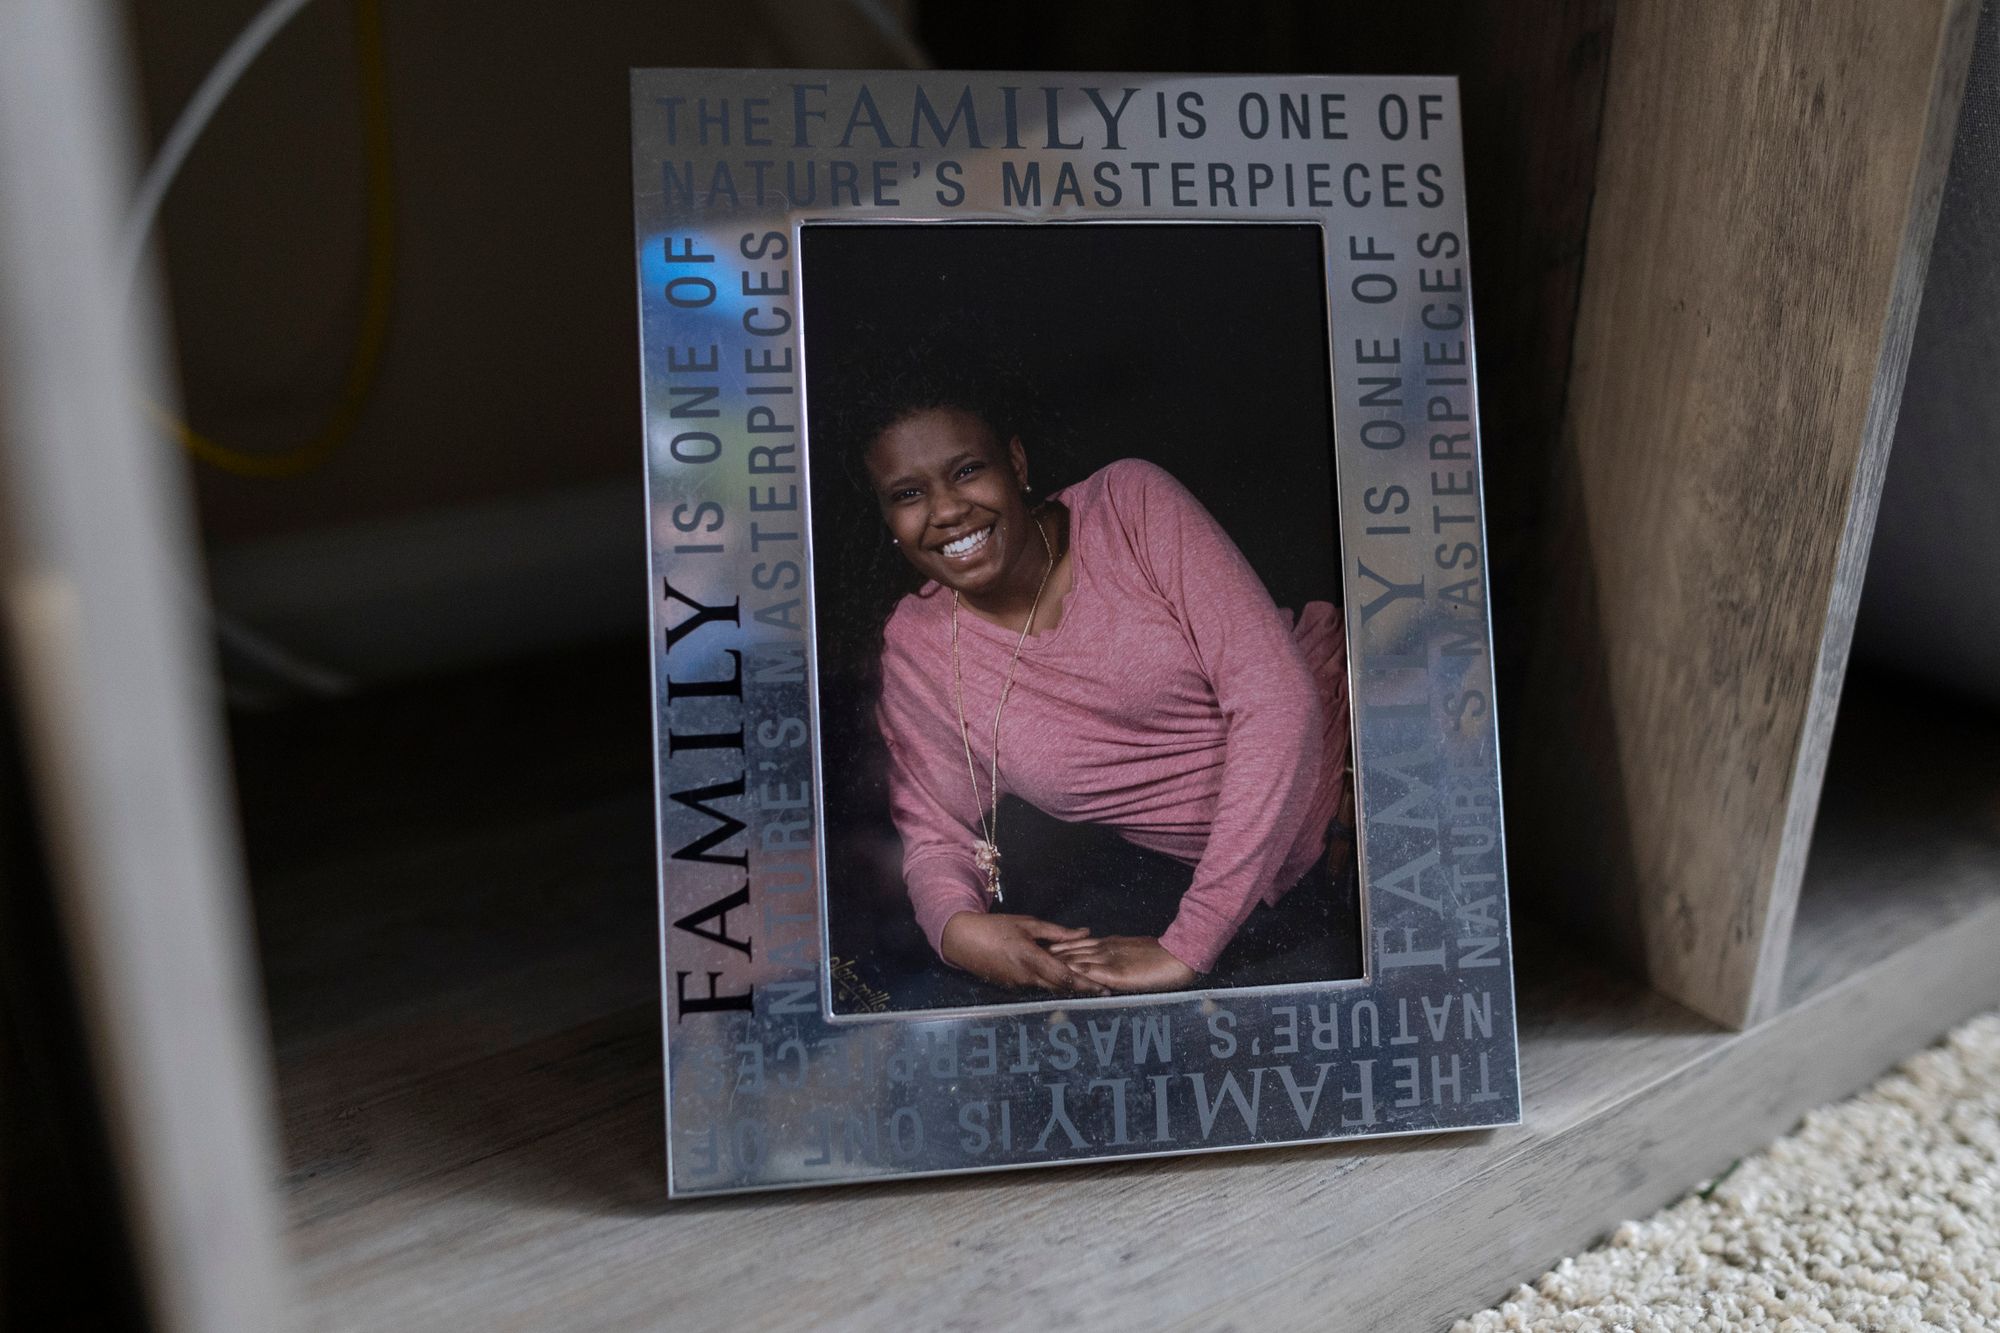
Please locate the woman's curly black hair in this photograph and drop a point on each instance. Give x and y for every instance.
(942, 370)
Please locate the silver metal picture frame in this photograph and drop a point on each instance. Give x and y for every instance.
(1224, 324)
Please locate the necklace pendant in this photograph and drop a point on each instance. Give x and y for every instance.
(986, 857)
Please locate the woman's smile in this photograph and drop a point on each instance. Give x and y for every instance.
(964, 548)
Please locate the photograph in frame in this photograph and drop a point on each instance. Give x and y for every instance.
(1175, 762)
(1072, 673)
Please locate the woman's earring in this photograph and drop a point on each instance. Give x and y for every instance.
(895, 541)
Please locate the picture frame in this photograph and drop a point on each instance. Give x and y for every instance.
(1250, 298)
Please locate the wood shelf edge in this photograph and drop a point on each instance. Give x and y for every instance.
(1564, 1191)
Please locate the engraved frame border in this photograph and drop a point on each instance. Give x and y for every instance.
(728, 1135)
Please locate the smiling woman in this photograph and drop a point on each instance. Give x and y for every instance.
(956, 499)
(1100, 668)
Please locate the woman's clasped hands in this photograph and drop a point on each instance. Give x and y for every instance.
(1024, 951)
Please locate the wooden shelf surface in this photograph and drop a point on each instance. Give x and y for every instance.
(460, 964)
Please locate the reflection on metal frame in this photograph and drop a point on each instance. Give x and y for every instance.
(765, 1088)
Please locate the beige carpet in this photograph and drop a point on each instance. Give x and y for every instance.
(1882, 1212)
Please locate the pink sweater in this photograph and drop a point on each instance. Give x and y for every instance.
(1173, 703)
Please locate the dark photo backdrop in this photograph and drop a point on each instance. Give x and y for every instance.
(1201, 347)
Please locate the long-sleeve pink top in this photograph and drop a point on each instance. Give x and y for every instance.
(1173, 703)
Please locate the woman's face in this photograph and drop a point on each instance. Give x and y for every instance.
(951, 494)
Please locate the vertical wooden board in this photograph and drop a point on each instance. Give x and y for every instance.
(1766, 188)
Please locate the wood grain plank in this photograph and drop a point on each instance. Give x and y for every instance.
(524, 1190)
(478, 1143)
(1766, 191)
(1512, 1222)
(434, 1161)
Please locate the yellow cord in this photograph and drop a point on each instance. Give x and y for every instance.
(373, 334)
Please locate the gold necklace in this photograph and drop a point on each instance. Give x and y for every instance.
(986, 851)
